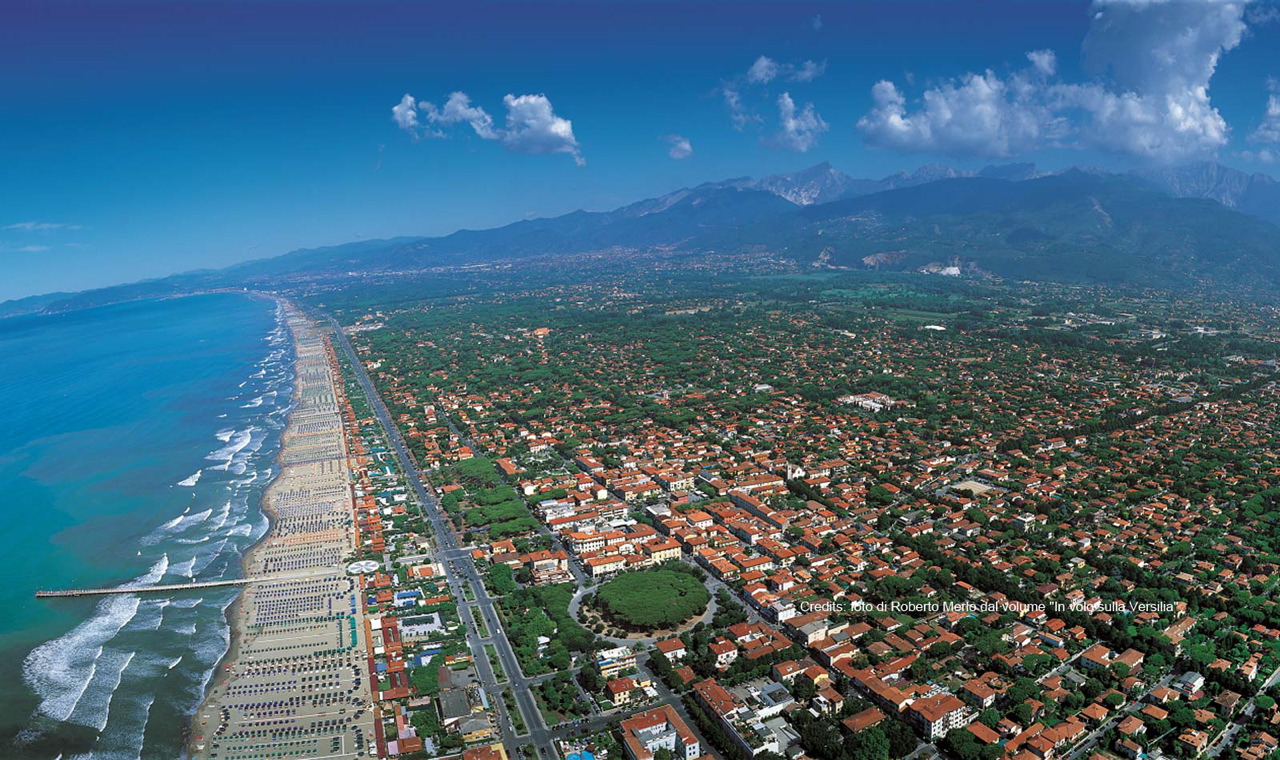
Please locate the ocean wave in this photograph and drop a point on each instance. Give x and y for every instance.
(223, 513)
(191, 480)
(256, 402)
(155, 610)
(150, 577)
(239, 439)
(95, 706)
(186, 520)
(59, 671)
(185, 569)
(208, 558)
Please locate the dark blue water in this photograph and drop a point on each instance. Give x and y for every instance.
(136, 442)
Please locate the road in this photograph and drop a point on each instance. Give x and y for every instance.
(461, 570)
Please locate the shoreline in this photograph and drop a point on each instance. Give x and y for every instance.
(232, 613)
(313, 454)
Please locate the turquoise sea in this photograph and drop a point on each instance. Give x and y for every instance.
(136, 442)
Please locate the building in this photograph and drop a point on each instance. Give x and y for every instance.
(937, 715)
(725, 651)
(672, 649)
(660, 728)
(612, 662)
(740, 722)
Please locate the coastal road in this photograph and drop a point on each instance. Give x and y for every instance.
(460, 569)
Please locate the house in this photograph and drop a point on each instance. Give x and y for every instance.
(1189, 683)
(660, 728)
(620, 690)
(672, 649)
(725, 652)
(935, 716)
(863, 720)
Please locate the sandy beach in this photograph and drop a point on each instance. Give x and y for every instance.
(294, 681)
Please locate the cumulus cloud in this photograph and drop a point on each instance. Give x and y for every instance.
(748, 93)
(405, 113)
(1152, 62)
(531, 123)
(800, 127)
(1044, 61)
(458, 110)
(681, 148)
(764, 70)
(533, 127)
(979, 115)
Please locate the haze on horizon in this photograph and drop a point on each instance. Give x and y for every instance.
(142, 138)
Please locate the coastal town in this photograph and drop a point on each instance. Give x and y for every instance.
(611, 531)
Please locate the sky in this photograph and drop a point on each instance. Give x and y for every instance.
(139, 139)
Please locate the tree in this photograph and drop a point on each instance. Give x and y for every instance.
(869, 744)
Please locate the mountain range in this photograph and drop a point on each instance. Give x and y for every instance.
(1188, 226)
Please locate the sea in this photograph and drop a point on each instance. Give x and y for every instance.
(136, 441)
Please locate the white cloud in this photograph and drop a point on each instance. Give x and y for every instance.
(1044, 61)
(531, 123)
(1159, 58)
(747, 93)
(680, 146)
(405, 113)
(1152, 61)
(1264, 156)
(533, 127)
(25, 249)
(1262, 13)
(1269, 130)
(808, 71)
(40, 226)
(817, 23)
(738, 112)
(457, 110)
(766, 70)
(800, 128)
(980, 115)
(763, 71)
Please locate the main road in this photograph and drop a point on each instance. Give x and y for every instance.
(460, 571)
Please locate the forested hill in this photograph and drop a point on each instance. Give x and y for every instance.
(1075, 226)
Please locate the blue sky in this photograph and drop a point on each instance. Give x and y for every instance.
(140, 139)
